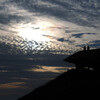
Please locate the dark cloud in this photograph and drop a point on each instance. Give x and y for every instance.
(61, 40)
(36, 28)
(55, 27)
(96, 41)
(83, 13)
(79, 35)
(70, 31)
(6, 19)
(92, 44)
(95, 44)
(2, 7)
(65, 40)
(10, 13)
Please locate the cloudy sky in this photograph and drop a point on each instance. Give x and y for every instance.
(48, 25)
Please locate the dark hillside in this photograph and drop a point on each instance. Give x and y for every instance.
(76, 84)
(86, 58)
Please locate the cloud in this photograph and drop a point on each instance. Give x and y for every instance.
(50, 37)
(54, 27)
(58, 12)
(70, 31)
(10, 12)
(73, 11)
(69, 41)
(61, 39)
(79, 35)
(6, 19)
(12, 85)
(95, 43)
(79, 13)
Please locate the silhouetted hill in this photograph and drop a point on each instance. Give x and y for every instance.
(74, 84)
(86, 58)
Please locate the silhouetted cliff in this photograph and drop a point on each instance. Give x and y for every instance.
(74, 84)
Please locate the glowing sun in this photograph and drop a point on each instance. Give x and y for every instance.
(35, 32)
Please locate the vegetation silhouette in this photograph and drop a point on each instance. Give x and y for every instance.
(79, 83)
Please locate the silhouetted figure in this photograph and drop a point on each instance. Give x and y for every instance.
(88, 48)
(84, 48)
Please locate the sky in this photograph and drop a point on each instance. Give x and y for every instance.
(54, 26)
(48, 31)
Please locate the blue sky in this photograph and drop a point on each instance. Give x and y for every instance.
(49, 25)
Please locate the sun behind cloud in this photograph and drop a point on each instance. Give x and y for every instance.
(35, 32)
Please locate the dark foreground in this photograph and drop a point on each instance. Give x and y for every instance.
(85, 58)
(74, 84)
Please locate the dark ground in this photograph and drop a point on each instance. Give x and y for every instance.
(74, 84)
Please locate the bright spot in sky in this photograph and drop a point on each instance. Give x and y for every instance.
(36, 32)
